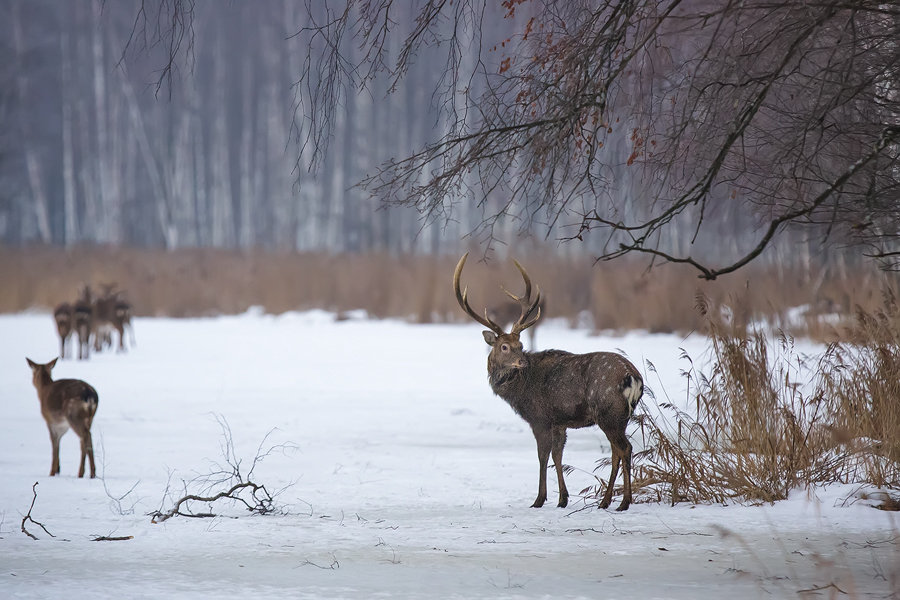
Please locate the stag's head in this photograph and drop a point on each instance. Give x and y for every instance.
(507, 355)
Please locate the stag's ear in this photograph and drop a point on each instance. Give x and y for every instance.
(31, 363)
(490, 337)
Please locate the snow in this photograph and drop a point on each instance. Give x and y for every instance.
(401, 476)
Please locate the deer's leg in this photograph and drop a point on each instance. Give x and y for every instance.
(626, 474)
(87, 451)
(89, 448)
(621, 452)
(81, 425)
(55, 434)
(613, 473)
(559, 442)
(544, 439)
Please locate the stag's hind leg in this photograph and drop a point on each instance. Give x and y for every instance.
(621, 453)
(613, 473)
(626, 474)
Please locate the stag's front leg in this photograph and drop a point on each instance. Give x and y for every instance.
(544, 439)
(559, 442)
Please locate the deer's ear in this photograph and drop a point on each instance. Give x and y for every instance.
(490, 337)
(52, 363)
(31, 363)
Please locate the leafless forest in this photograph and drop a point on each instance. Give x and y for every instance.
(190, 123)
(94, 151)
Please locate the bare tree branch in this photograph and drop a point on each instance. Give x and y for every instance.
(172, 32)
(642, 118)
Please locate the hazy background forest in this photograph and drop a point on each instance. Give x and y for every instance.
(205, 178)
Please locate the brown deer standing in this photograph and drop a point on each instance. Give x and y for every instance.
(82, 315)
(103, 317)
(556, 390)
(122, 320)
(62, 315)
(66, 403)
(110, 312)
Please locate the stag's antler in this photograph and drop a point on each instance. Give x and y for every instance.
(531, 312)
(464, 303)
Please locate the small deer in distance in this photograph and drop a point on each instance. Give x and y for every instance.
(93, 320)
(63, 315)
(66, 403)
(82, 313)
(554, 390)
(111, 312)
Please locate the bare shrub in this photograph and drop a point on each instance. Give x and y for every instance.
(224, 483)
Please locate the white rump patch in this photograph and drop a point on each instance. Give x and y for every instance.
(633, 393)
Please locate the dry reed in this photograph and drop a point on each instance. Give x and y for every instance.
(767, 420)
(619, 296)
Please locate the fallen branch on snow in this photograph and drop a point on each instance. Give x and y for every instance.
(262, 503)
(255, 497)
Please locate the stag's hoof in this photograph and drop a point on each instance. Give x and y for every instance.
(624, 506)
(539, 502)
(563, 501)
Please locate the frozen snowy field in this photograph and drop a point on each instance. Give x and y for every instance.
(408, 479)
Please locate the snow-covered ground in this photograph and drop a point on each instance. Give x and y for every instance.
(402, 476)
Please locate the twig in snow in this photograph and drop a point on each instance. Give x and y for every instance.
(28, 517)
(820, 588)
(115, 502)
(332, 567)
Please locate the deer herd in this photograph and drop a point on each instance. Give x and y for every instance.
(93, 318)
(552, 390)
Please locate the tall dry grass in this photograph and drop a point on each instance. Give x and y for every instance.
(766, 420)
(606, 296)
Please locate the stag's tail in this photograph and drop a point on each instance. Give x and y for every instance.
(632, 389)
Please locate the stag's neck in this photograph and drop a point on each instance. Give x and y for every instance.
(520, 388)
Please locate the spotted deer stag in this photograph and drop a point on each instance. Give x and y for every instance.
(66, 403)
(554, 390)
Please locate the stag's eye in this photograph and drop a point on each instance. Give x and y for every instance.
(504, 348)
